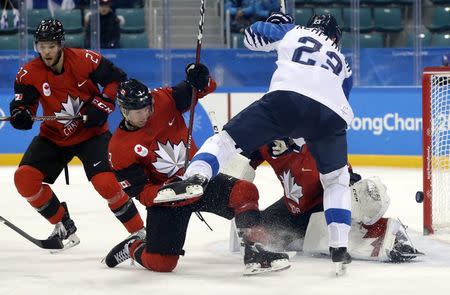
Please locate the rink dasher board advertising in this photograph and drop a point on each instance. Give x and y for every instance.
(388, 120)
(14, 142)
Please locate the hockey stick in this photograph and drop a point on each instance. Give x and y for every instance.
(212, 117)
(51, 118)
(194, 91)
(53, 243)
(282, 6)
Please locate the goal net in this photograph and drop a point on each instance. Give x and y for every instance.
(436, 149)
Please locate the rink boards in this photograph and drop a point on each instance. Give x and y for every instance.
(386, 131)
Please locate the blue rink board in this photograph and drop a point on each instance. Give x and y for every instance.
(14, 141)
(388, 121)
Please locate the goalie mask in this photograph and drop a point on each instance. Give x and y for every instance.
(369, 200)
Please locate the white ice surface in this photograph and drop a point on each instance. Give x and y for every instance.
(207, 267)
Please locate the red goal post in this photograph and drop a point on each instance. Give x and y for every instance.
(436, 149)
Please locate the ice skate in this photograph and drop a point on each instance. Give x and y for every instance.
(65, 230)
(258, 260)
(340, 258)
(121, 252)
(189, 188)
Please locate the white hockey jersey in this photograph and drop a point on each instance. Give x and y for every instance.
(308, 63)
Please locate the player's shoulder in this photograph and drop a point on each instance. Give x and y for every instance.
(162, 97)
(31, 71)
(83, 58)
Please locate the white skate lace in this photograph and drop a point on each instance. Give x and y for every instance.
(59, 231)
(124, 254)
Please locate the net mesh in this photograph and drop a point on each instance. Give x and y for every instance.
(440, 150)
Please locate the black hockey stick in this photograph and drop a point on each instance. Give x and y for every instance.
(195, 98)
(194, 91)
(53, 243)
(51, 118)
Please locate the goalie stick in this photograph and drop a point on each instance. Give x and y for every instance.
(53, 243)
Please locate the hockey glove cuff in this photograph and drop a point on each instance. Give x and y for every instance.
(97, 111)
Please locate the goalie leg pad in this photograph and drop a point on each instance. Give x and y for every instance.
(120, 204)
(337, 204)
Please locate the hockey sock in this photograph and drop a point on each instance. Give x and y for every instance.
(120, 204)
(28, 181)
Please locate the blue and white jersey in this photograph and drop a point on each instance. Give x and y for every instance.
(308, 63)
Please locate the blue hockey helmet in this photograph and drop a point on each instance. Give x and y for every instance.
(327, 24)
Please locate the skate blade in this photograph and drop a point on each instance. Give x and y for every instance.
(72, 241)
(340, 268)
(256, 269)
(168, 195)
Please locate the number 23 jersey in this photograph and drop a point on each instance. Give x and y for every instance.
(311, 64)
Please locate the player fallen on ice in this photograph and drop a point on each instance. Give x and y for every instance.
(308, 98)
(296, 222)
(64, 81)
(148, 150)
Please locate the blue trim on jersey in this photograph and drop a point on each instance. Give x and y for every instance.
(210, 159)
(338, 216)
(347, 85)
(270, 31)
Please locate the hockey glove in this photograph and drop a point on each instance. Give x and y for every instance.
(281, 147)
(280, 18)
(21, 119)
(197, 76)
(97, 111)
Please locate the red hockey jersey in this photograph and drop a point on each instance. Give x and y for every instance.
(146, 158)
(299, 177)
(66, 93)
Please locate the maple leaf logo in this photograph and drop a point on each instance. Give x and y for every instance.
(70, 108)
(292, 190)
(170, 158)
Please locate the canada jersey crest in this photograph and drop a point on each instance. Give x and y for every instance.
(170, 158)
(292, 190)
(70, 108)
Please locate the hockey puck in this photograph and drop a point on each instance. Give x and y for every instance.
(419, 197)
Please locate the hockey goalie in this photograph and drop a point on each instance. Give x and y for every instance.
(296, 222)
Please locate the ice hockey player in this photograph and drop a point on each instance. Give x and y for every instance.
(147, 150)
(297, 221)
(307, 98)
(65, 82)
